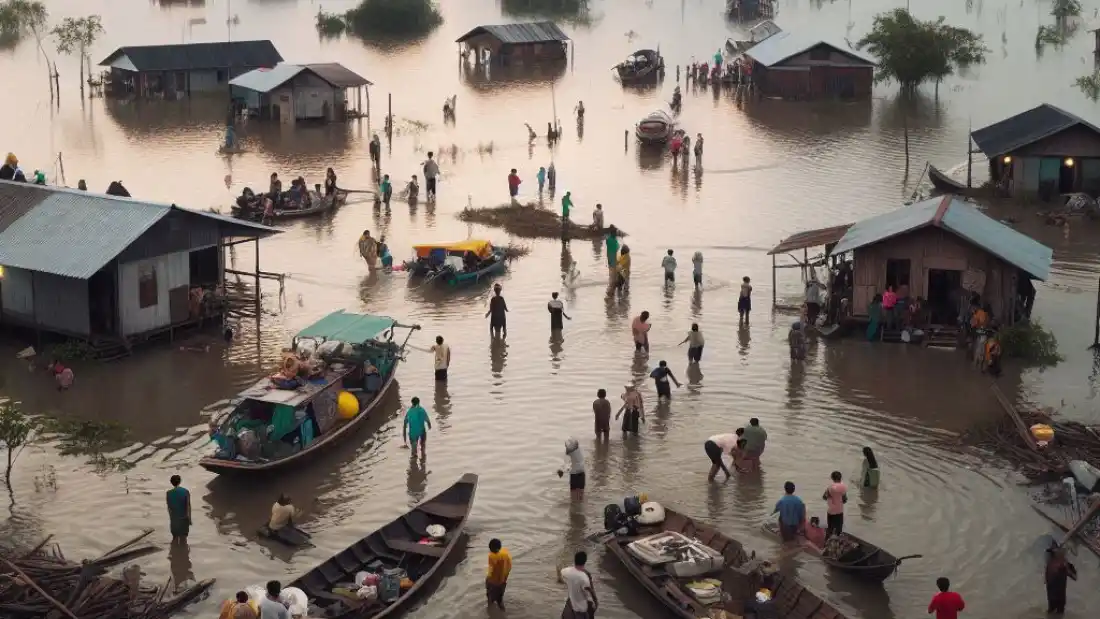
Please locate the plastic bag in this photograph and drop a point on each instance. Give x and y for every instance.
(295, 600)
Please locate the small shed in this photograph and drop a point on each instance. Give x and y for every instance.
(510, 44)
(804, 241)
(1043, 152)
(794, 67)
(178, 70)
(107, 268)
(291, 92)
(942, 249)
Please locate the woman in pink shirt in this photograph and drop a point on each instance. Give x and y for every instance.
(889, 303)
(836, 495)
(640, 328)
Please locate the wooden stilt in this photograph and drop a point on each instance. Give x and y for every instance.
(775, 298)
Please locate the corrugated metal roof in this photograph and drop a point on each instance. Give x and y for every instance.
(535, 32)
(347, 327)
(810, 238)
(784, 45)
(195, 56)
(956, 216)
(1026, 128)
(75, 233)
(16, 199)
(268, 79)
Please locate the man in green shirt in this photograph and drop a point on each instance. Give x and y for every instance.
(566, 206)
(755, 439)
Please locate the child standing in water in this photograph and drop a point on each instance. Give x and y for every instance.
(541, 177)
(697, 269)
(744, 302)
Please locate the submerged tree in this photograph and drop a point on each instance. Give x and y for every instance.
(1090, 85)
(1064, 9)
(77, 35)
(393, 17)
(550, 8)
(16, 431)
(911, 52)
(18, 17)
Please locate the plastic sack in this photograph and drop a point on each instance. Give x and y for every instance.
(256, 593)
(436, 531)
(295, 600)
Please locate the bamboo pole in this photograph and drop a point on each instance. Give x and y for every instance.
(1095, 509)
(1096, 330)
(32, 584)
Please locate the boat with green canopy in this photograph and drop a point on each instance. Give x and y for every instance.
(335, 373)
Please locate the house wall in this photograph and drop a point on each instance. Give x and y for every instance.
(484, 41)
(1077, 141)
(788, 83)
(814, 82)
(178, 231)
(49, 301)
(207, 81)
(172, 271)
(931, 248)
(822, 55)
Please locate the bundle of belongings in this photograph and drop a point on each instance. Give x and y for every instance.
(839, 547)
(681, 556)
(707, 590)
(635, 511)
(377, 584)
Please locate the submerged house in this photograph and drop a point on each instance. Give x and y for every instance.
(178, 70)
(1043, 152)
(940, 248)
(291, 92)
(512, 44)
(792, 67)
(106, 269)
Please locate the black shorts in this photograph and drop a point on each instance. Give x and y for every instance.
(441, 374)
(498, 323)
(697, 278)
(695, 353)
(664, 389)
(494, 592)
(670, 276)
(744, 305)
(714, 452)
(576, 481)
(639, 346)
(430, 184)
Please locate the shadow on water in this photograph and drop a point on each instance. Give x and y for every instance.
(650, 156)
(789, 120)
(491, 79)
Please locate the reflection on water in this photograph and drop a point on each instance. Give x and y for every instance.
(771, 168)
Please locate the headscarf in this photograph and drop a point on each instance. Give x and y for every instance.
(571, 445)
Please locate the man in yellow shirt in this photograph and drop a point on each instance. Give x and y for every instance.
(496, 577)
(282, 513)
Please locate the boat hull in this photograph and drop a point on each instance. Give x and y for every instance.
(393, 545)
(323, 443)
(944, 183)
(792, 599)
(874, 564)
(287, 214)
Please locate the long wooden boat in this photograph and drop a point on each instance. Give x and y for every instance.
(395, 545)
(321, 205)
(443, 262)
(643, 66)
(365, 367)
(740, 576)
(944, 183)
(869, 562)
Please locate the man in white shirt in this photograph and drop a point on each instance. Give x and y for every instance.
(442, 358)
(270, 606)
(431, 171)
(582, 602)
(668, 263)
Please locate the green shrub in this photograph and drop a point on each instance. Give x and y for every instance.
(72, 350)
(393, 17)
(1031, 342)
(553, 8)
(331, 24)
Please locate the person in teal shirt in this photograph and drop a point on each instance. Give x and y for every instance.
(612, 247)
(416, 427)
(387, 190)
(566, 206)
(540, 176)
(179, 511)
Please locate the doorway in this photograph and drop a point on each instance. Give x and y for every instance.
(943, 287)
(102, 301)
(1066, 176)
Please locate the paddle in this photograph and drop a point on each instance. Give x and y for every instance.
(900, 559)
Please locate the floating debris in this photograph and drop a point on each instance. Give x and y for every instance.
(529, 221)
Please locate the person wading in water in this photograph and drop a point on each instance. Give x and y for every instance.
(179, 510)
(497, 314)
(557, 311)
(634, 408)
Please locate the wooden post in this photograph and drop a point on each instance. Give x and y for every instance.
(389, 116)
(1096, 331)
(367, 88)
(774, 297)
(257, 276)
(626, 138)
(905, 124)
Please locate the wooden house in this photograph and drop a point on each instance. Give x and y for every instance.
(175, 71)
(108, 269)
(292, 92)
(515, 44)
(793, 67)
(1044, 152)
(942, 249)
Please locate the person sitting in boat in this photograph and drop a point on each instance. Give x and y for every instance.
(282, 513)
(412, 190)
(247, 199)
(814, 533)
(470, 261)
(275, 188)
(330, 182)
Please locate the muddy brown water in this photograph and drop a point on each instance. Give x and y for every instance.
(770, 169)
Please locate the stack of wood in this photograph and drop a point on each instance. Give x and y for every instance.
(43, 583)
(1072, 441)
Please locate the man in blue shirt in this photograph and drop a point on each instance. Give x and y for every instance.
(416, 427)
(792, 513)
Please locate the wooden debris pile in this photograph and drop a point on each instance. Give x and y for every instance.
(530, 221)
(44, 584)
(1072, 441)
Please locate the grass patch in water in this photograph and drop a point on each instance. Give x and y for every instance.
(1031, 342)
(528, 221)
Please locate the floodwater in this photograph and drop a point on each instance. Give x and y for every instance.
(770, 169)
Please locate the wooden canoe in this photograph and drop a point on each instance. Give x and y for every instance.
(324, 205)
(393, 545)
(944, 183)
(740, 582)
(870, 563)
(323, 442)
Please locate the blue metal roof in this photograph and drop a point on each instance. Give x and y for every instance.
(784, 45)
(75, 233)
(962, 220)
(512, 34)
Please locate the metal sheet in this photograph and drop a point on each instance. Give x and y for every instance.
(171, 271)
(61, 303)
(17, 293)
